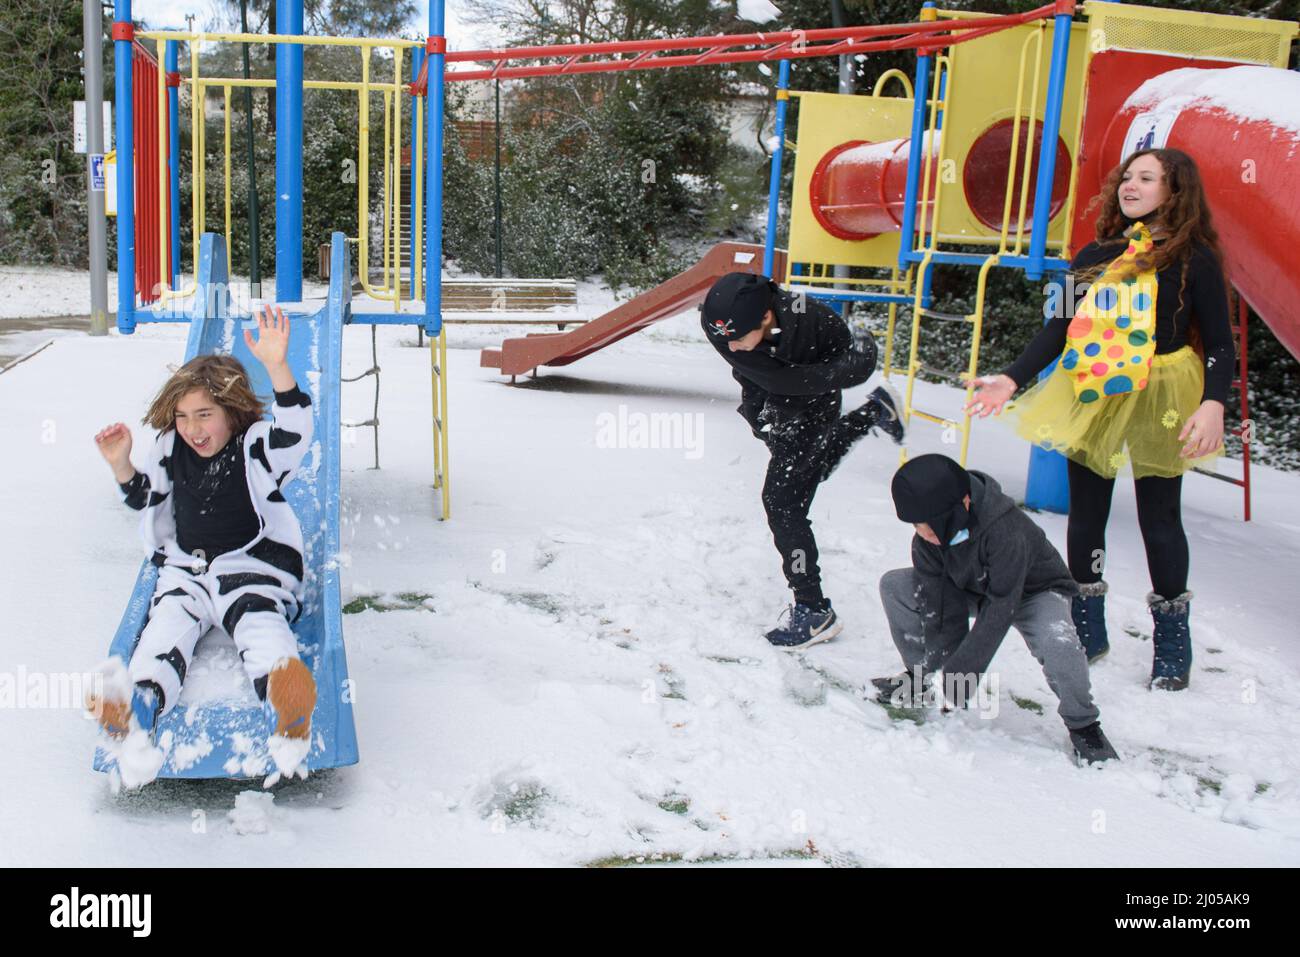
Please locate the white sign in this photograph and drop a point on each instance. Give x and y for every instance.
(97, 172)
(1148, 131)
(79, 135)
(110, 184)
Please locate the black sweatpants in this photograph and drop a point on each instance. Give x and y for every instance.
(805, 449)
(1159, 508)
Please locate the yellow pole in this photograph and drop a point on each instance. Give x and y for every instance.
(1015, 147)
(442, 431)
(417, 167)
(972, 367)
(203, 166)
(388, 186)
(437, 420)
(363, 175)
(229, 256)
(397, 180)
(196, 157)
(269, 38)
(1029, 140)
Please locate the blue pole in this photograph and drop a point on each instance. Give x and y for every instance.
(174, 161)
(125, 174)
(774, 181)
(1047, 149)
(1047, 485)
(921, 94)
(437, 47)
(288, 154)
(417, 173)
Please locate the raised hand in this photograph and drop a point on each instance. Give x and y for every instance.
(994, 392)
(114, 444)
(272, 344)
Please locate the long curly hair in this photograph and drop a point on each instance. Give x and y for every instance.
(223, 377)
(1184, 218)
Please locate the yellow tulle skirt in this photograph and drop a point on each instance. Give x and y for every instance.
(1136, 431)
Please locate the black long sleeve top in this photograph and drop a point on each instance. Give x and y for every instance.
(813, 353)
(1204, 301)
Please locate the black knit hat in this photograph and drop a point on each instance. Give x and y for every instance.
(736, 304)
(931, 489)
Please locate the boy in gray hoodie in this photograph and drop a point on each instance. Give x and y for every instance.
(976, 554)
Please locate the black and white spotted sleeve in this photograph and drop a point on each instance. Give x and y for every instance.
(289, 438)
(136, 492)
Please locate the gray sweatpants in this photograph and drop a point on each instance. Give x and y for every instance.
(1043, 620)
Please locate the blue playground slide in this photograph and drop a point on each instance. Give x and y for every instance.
(221, 732)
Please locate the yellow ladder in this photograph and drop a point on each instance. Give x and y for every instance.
(961, 424)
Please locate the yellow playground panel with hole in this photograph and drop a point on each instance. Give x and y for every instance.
(825, 121)
(1216, 36)
(988, 82)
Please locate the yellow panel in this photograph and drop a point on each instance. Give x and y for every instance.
(825, 121)
(981, 91)
(1216, 36)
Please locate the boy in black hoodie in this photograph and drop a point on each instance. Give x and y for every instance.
(792, 355)
(975, 553)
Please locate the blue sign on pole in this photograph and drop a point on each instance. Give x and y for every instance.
(97, 172)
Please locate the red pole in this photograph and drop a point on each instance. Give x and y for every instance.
(1247, 427)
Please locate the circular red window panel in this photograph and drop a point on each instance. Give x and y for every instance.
(984, 177)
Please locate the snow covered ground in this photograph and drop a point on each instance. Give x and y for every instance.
(571, 670)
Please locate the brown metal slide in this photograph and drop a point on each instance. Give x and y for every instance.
(682, 291)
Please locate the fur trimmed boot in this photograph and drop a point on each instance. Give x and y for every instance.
(291, 693)
(1088, 609)
(1171, 668)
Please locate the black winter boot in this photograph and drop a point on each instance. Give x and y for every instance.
(1088, 609)
(1172, 667)
(1091, 746)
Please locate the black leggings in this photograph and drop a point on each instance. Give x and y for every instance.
(1159, 517)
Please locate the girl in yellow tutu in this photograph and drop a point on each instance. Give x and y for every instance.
(1146, 361)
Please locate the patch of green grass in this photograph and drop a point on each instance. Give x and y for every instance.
(1261, 787)
(403, 601)
(675, 803)
(538, 601)
(525, 802)
(1029, 704)
(676, 857)
(914, 715)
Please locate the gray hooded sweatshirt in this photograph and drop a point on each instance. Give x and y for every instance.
(1006, 559)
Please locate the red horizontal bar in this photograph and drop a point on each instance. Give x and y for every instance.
(927, 36)
(749, 39)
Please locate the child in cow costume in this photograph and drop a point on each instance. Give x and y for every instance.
(227, 544)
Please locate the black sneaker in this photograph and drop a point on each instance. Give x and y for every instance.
(803, 625)
(1091, 746)
(889, 411)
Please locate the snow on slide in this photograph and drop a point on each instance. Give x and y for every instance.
(218, 729)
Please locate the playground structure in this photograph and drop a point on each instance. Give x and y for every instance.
(1023, 117)
(871, 202)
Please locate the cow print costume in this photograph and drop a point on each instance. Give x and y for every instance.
(252, 593)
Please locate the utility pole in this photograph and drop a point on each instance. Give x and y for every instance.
(92, 26)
